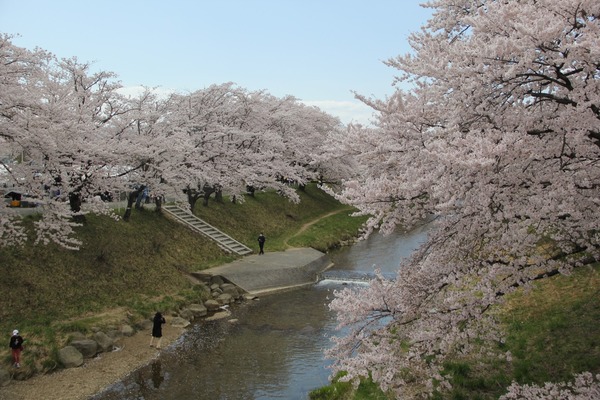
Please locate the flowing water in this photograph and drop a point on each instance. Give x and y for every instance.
(274, 349)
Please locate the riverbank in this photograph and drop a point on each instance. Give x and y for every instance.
(96, 374)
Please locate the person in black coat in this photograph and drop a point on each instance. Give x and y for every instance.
(261, 243)
(157, 323)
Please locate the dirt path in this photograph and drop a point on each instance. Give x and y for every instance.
(83, 382)
(311, 223)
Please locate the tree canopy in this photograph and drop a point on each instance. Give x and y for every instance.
(68, 138)
(498, 140)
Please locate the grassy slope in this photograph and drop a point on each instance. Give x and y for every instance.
(126, 267)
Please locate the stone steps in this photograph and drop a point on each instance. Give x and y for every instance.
(224, 241)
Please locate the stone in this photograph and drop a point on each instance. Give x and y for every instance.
(186, 313)
(216, 279)
(212, 305)
(127, 330)
(70, 357)
(225, 298)
(199, 310)
(87, 347)
(179, 322)
(76, 336)
(221, 314)
(230, 289)
(146, 325)
(114, 334)
(105, 342)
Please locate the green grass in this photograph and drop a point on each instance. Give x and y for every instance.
(124, 271)
(554, 329)
(552, 334)
(367, 390)
(280, 220)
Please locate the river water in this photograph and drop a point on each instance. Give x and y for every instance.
(274, 349)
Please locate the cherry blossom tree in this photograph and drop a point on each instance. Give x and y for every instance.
(56, 116)
(68, 138)
(498, 139)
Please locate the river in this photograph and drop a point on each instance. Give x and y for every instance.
(274, 349)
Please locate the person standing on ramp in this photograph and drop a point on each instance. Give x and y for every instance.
(261, 243)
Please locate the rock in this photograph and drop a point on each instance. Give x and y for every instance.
(76, 336)
(70, 357)
(225, 298)
(216, 279)
(199, 310)
(127, 330)
(4, 377)
(179, 322)
(248, 296)
(146, 325)
(212, 305)
(87, 347)
(114, 334)
(221, 314)
(186, 313)
(215, 286)
(230, 289)
(105, 343)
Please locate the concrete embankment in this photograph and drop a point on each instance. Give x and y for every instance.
(272, 272)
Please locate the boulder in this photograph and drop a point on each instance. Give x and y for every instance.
(127, 330)
(146, 325)
(87, 347)
(105, 342)
(199, 310)
(186, 313)
(230, 288)
(212, 305)
(76, 336)
(225, 298)
(70, 357)
(114, 334)
(179, 322)
(216, 279)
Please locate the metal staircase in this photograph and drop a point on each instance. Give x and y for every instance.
(224, 241)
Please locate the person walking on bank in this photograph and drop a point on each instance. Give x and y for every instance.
(261, 243)
(16, 345)
(157, 322)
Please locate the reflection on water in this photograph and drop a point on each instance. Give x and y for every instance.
(274, 349)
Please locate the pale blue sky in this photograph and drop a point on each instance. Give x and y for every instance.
(316, 50)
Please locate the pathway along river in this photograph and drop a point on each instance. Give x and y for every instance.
(274, 350)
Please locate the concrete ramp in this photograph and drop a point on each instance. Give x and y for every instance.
(270, 272)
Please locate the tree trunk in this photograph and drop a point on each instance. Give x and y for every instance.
(75, 204)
